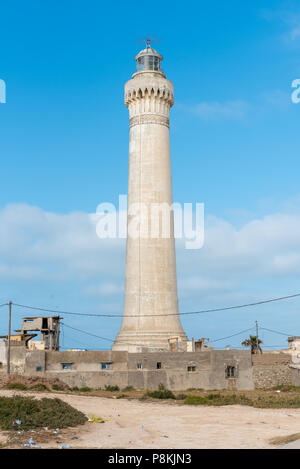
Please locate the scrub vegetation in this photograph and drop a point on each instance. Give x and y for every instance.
(27, 413)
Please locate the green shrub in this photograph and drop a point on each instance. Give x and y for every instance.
(212, 397)
(75, 388)
(37, 413)
(218, 400)
(180, 396)
(277, 402)
(85, 389)
(112, 388)
(19, 386)
(39, 387)
(161, 393)
(57, 387)
(286, 388)
(128, 388)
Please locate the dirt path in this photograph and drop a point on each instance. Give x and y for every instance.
(138, 424)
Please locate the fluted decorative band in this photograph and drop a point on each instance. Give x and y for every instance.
(149, 119)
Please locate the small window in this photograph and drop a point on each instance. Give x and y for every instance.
(191, 368)
(139, 366)
(66, 366)
(230, 372)
(105, 366)
(38, 368)
(158, 365)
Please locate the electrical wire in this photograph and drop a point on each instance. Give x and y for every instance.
(233, 335)
(211, 341)
(88, 333)
(276, 332)
(105, 338)
(158, 315)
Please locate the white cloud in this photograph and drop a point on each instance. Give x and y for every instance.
(216, 110)
(104, 289)
(57, 249)
(267, 102)
(289, 17)
(52, 251)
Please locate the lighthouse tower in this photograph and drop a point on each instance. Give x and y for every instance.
(151, 315)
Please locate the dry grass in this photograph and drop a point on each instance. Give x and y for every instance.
(288, 397)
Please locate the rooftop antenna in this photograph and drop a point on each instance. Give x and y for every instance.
(148, 40)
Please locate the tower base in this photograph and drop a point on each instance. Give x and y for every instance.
(134, 342)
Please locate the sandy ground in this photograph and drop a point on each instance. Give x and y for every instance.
(138, 424)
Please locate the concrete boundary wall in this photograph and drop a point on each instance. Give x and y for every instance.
(178, 371)
(175, 370)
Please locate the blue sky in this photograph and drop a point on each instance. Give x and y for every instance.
(234, 140)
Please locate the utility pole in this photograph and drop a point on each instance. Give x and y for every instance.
(256, 336)
(9, 333)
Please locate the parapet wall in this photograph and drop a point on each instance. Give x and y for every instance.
(147, 370)
(175, 370)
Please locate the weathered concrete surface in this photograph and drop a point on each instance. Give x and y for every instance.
(2, 354)
(140, 370)
(147, 370)
(272, 369)
(18, 359)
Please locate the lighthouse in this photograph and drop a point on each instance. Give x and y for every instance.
(151, 319)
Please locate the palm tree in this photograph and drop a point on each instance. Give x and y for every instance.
(253, 342)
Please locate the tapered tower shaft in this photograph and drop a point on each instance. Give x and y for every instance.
(151, 305)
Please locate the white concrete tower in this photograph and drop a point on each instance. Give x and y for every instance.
(151, 305)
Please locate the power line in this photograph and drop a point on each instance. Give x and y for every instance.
(233, 335)
(102, 338)
(223, 338)
(71, 338)
(158, 315)
(271, 346)
(112, 340)
(276, 332)
(4, 304)
(88, 333)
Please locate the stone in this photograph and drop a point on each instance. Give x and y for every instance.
(151, 314)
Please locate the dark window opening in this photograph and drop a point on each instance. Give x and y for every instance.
(230, 372)
(158, 365)
(105, 366)
(191, 368)
(66, 366)
(39, 368)
(44, 323)
(139, 366)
